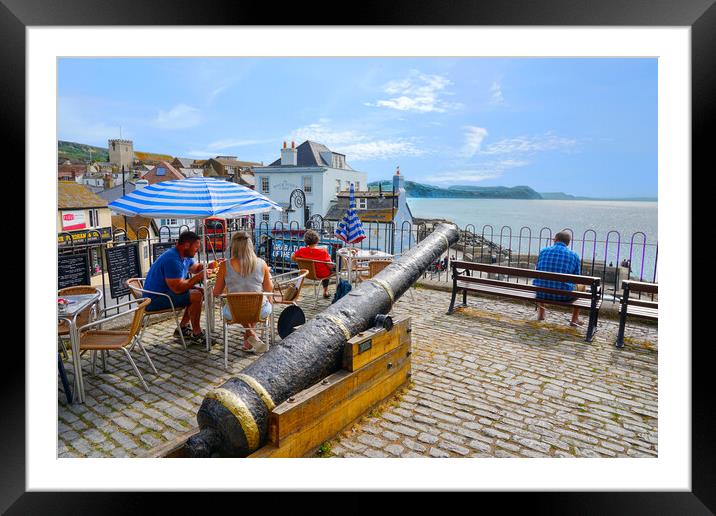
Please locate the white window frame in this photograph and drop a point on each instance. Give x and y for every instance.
(307, 182)
(266, 217)
(357, 186)
(338, 185)
(265, 189)
(362, 203)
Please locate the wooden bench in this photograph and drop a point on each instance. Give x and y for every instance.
(636, 307)
(464, 279)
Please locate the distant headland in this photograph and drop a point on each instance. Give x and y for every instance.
(419, 190)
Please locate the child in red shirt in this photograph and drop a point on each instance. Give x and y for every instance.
(312, 252)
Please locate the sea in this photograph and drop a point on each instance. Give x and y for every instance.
(615, 230)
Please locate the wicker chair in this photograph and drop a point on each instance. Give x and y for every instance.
(85, 316)
(136, 285)
(287, 287)
(108, 340)
(245, 308)
(374, 267)
(310, 266)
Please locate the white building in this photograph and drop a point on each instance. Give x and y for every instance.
(311, 167)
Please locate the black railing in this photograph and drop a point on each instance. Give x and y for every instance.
(612, 258)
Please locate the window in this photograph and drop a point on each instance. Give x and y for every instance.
(264, 185)
(265, 217)
(93, 218)
(362, 204)
(308, 184)
(338, 185)
(357, 186)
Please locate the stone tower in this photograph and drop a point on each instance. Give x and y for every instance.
(121, 153)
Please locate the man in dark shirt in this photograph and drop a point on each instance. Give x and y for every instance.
(169, 275)
(561, 259)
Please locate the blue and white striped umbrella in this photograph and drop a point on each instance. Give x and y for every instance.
(350, 229)
(195, 197)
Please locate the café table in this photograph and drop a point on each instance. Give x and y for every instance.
(351, 254)
(77, 304)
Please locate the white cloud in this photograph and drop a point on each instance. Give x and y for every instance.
(381, 149)
(180, 116)
(496, 96)
(482, 172)
(523, 144)
(473, 140)
(354, 145)
(418, 92)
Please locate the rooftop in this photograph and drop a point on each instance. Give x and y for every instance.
(74, 195)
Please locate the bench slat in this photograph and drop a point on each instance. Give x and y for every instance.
(641, 286)
(522, 286)
(528, 273)
(649, 313)
(522, 294)
(638, 302)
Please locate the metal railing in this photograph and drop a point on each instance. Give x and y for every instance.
(614, 257)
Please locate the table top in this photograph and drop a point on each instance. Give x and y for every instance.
(363, 254)
(78, 302)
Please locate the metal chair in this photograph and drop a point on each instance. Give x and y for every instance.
(310, 266)
(245, 309)
(85, 316)
(136, 285)
(107, 340)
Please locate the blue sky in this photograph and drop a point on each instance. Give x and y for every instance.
(581, 126)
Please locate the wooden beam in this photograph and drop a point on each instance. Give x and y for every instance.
(375, 342)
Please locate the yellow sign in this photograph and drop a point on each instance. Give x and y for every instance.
(84, 236)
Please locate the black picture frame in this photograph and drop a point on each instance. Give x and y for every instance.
(699, 15)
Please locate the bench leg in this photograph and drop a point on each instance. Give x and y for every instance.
(622, 324)
(452, 301)
(592, 328)
(464, 297)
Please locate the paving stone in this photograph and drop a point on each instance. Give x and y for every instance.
(437, 452)
(455, 448)
(371, 440)
(394, 449)
(427, 438)
(409, 443)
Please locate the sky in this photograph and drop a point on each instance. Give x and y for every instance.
(583, 126)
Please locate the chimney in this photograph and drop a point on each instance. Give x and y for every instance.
(289, 156)
(398, 181)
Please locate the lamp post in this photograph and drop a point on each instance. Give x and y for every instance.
(298, 199)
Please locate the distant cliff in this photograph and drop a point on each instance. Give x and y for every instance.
(463, 192)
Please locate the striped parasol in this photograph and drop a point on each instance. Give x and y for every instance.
(350, 229)
(195, 197)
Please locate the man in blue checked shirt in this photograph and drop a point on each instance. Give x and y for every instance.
(561, 259)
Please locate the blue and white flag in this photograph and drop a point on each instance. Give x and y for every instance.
(350, 229)
(195, 197)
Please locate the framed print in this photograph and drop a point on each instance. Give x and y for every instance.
(675, 45)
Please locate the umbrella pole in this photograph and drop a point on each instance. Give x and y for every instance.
(206, 284)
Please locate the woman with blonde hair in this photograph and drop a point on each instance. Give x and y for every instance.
(245, 272)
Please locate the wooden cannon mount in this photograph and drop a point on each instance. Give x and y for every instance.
(376, 363)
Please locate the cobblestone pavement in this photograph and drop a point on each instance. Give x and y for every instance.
(488, 381)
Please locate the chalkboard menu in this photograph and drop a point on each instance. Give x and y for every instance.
(122, 264)
(72, 270)
(159, 248)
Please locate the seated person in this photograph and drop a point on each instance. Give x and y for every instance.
(313, 252)
(561, 259)
(168, 275)
(245, 272)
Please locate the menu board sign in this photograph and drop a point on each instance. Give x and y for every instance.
(159, 248)
(122, 264)
(72, 270)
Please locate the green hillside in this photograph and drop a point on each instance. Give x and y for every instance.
(81, 152)
(465, 192)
